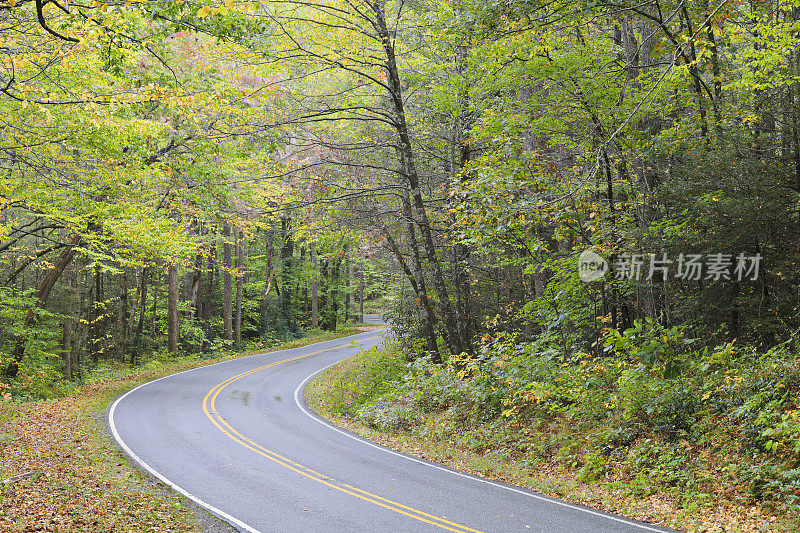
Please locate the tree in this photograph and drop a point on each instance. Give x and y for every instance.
(172, 312)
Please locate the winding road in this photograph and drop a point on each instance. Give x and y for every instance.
(236, 438)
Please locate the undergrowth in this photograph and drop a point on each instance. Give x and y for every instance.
(711, 434)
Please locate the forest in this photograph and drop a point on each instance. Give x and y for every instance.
(581, 217)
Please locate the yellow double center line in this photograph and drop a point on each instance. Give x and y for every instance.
(209, 408)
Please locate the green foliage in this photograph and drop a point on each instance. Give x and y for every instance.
(40, 373)
(730, 411)
(652, 344)
(378, 372)
(536, 131)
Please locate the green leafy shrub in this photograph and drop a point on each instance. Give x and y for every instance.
(671, 414)
(379, 372)
(635, 388)
(726, 424)
(388, 413)
(769, 481)
(434, 387)
(652, 344)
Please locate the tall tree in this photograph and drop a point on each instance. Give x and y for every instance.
(173, 317)
(227, 291)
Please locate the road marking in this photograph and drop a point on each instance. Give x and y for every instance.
(113, 427)
(455, 472)
(209, 407)
(245, 527)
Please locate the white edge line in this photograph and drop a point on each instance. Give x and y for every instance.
(213, 510)
(454, 472)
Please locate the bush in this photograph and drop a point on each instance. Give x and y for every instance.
(727, 424)
(388, 413)
(651, 344)
(368, 377)
(635, 388)
(671, 414)
(768, 481)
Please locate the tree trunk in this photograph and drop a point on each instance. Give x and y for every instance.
(227, 266)
(409, 172)
(287, 252)
(429, 319)
(98, 317)
(245, 269)
(237, 316)
(66, 331)
(299, 268)
(80, 327)
(417, 281)
(154, 307)
(347, 296)
(314, 295)
(142, 306)
(124, 317)
(361, 296)
(209, 292)
(306, 303)
(269, 273)
(195, 296)
(335, 294)
(173, 318)
(323, 294)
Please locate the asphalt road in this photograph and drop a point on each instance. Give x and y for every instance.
(237, 439)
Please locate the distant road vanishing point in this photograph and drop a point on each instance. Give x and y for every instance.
(237, 439)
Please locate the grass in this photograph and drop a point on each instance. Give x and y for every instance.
(81, 481)
(355, 382)
(351, 392)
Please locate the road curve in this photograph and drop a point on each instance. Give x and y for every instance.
(237, 439)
